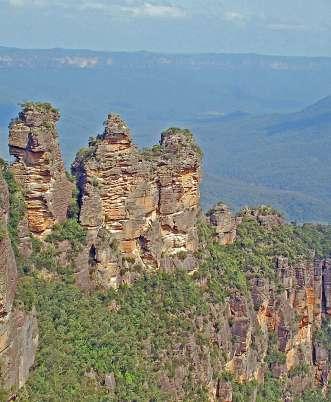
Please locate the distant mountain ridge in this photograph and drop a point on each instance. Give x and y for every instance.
(85, 58)
(283, 159)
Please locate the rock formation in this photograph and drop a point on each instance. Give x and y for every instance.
(140, 210)
(39, 167)
(290, 312)
(225, 224)
(18, 330)
(270, 330)
(147, 200)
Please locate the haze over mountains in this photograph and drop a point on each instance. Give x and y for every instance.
(261, 141)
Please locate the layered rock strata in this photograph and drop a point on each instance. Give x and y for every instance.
(289, 314)
(147, 200)
(38, 166)
(140, 209)
(18, 330)
(268, 331)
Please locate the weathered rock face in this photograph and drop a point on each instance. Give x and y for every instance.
(148, 200)
(18, 330)
(289, 314)
(39, 167)
(325, 269)
(224, 222)
(294, 313)
(140, 209)
(224, 392)
(270, 330)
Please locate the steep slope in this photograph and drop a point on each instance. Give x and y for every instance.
(245, 326)
(18, 329)
(219, 307)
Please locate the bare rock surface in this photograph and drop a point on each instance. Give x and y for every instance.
(147, 199)
(39, 167)
(225, 223)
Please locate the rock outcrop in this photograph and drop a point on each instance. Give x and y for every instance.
(225, 224)
(39, 167)
(294, 313)
(270, 331)
(140, 210)
(18, 330)
(264, 216)
(148, 200)
(287, 309)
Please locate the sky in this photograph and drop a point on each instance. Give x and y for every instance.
(284, 27)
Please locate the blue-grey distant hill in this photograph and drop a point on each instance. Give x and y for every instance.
(243, 109)
(282, 159)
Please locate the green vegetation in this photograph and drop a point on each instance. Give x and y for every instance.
(151, 152)
(94, 182)
(85, 153)
(39, 106)
(188, 135)
(135, 332)
(301, 370)
(269, 390)
(323, 336)
(254, 252)
(4, 394)
(294, 242)
(182, 131)
(80, 334)
(73, 209)
(275, 356)
(70, 230)
(262, 209)
(17, 206)
(93, 141)
(314, 396)
(3, 231)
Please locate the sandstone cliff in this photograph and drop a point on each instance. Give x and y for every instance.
(18, 330)
(273, 327)
(251, 307)
(225, 224)
(38, 166)
(148, 200)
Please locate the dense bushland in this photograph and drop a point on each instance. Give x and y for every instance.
(133, 332)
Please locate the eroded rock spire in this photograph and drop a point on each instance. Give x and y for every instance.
(38, 165)
(147, 199)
